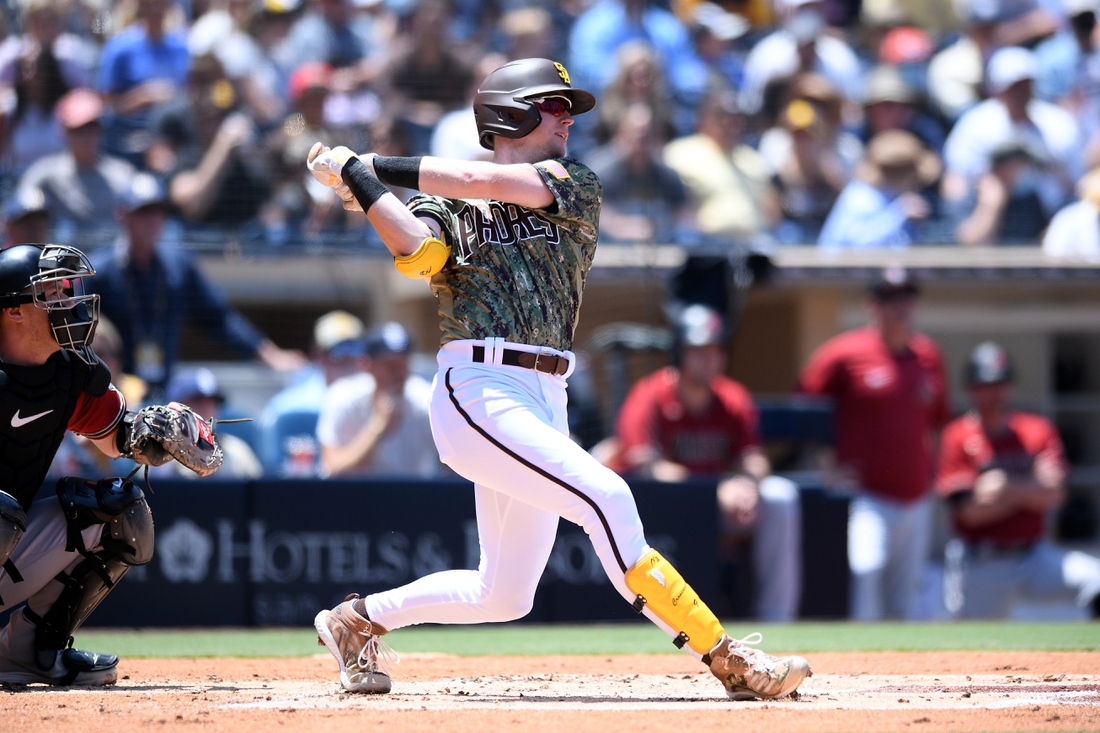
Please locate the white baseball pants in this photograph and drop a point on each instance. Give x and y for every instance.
(888, 546)
(505, 429)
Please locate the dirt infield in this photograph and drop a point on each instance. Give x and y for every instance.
(924, 691)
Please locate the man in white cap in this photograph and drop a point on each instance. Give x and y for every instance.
(1013, 112)
(376, 423)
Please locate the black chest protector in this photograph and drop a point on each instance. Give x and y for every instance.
(36, 403)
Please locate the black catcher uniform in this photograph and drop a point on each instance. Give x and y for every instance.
(62, 555)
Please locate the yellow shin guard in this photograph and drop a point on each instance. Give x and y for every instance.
(660, 586)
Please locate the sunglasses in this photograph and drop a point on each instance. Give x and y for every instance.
(553, 106)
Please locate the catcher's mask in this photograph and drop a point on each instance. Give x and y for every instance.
(52, 277)
(505, 103)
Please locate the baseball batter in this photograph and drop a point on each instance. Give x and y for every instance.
(506, 246)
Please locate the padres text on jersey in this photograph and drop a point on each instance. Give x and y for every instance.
(514, 271)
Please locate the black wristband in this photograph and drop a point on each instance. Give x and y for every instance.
(366, 188)
(398, 170)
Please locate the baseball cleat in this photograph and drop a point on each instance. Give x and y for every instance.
(74, 667)
(748, 673)
(354, 642)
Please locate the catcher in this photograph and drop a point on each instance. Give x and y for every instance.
(62, 556)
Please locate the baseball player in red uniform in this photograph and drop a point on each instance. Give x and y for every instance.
(888, 387)
(506, 247)
(1002, 471)
(691, 420)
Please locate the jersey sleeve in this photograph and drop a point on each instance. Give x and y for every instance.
(956, 470)
(96, 417)
(578, 192)
(435, 208)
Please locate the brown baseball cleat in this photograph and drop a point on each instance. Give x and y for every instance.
(353, 640)
(748, 673)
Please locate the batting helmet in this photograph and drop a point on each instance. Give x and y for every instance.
(51, 276)
(696, 325)
(988, 364)
(503, 104)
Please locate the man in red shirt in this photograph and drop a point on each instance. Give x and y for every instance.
(1002, 471)
(692, 421)
(888, 387)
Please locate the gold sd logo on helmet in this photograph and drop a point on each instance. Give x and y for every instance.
(562, 72)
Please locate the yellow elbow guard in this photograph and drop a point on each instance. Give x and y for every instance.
(428, 259)
(661, 587)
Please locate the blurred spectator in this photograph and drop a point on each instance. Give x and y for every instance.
(1012, 113)
(427, 77)
(376, 423)
(198, 388)
(936, 17)
(1002, 472)
(528, 32)
(607, 25)
(714, 32)
(1069, 72)
(726, 179)
(890, 103)
(456, 135)
(1005, 207)
(803, 44)
(225, 30)
(883, 205)
(955, 74)
(890, 400)
(1074, 232)
(27, 107)
(909, 50)
(26, 218)
(643, 199)
(208, 151)
(298, 198)
(149, 290)
(809, 157)
(143, 65)
(81, 184)
(44, 27)
(639, 79)
(338, 351)
(341, 33)
(690, 420)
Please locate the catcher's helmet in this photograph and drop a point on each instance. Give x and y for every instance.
(51, 276)
(988, 364)
(503, 106)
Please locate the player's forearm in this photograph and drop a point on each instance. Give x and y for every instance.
(474, 179)
(399, 229)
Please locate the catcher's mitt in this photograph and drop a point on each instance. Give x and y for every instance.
(163, 432)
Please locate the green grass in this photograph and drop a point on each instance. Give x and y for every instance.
(626, 638)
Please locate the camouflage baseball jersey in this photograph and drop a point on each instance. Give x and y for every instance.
(515, 272)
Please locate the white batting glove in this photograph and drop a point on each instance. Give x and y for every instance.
(326, 165)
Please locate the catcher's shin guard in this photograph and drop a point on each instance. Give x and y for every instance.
(661, 587)
(85, 588)
(13, 523)
(127, 540)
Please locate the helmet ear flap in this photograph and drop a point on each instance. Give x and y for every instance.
(514, 120)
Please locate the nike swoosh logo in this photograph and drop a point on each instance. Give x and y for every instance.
(18, 422)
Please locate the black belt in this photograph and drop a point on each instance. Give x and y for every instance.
(545, 363)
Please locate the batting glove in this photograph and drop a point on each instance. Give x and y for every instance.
(326, 165)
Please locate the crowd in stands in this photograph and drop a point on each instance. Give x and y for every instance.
(881, 123)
